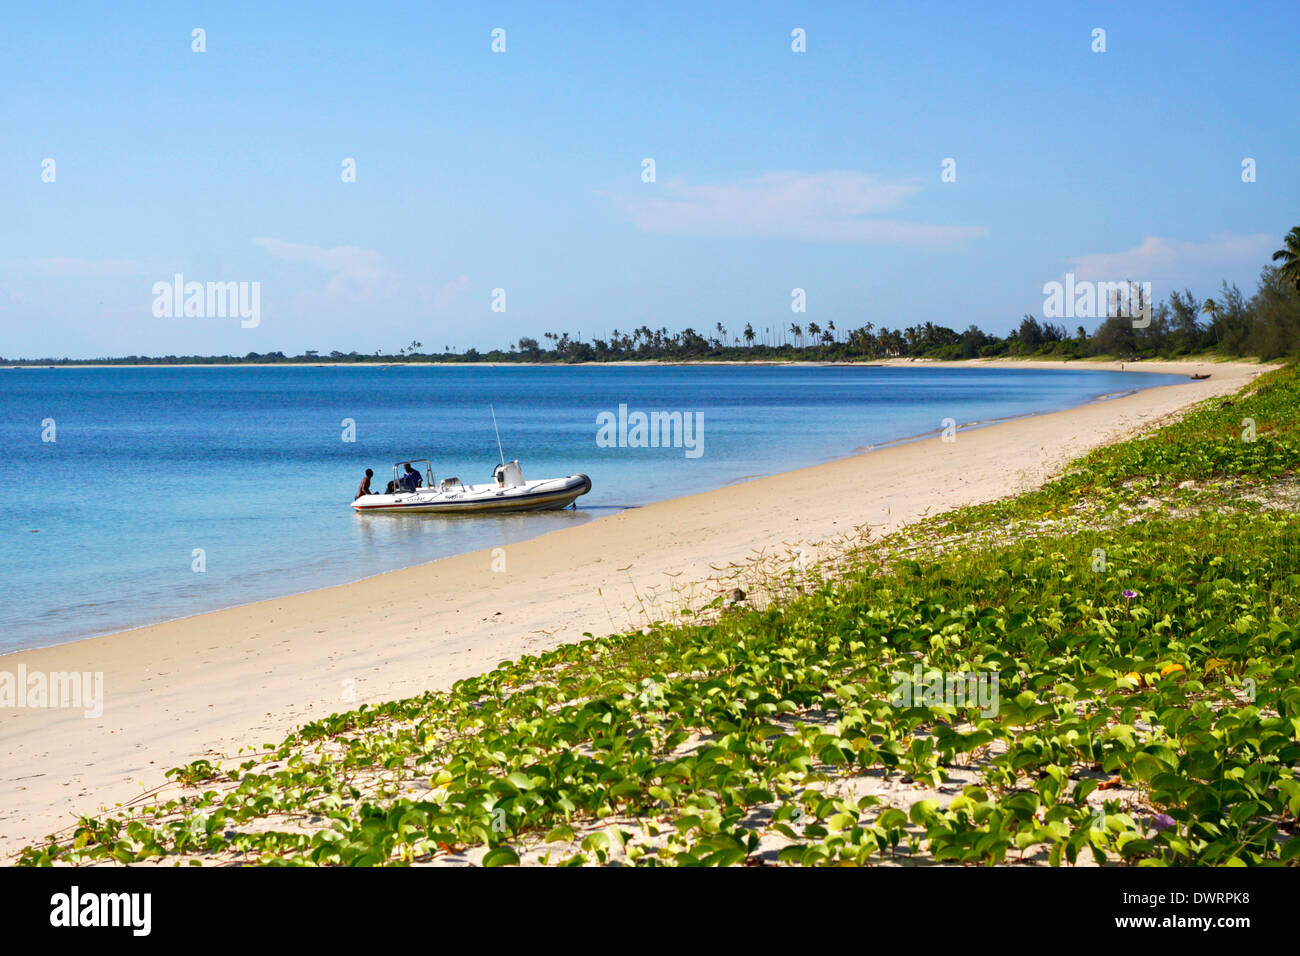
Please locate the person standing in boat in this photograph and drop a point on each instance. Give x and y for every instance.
(411, 480)
(364, 488)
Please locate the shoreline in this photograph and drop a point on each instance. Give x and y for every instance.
(739, 480)
(217, 681)
(1096, 364)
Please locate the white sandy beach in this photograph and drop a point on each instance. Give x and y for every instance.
(246, 676)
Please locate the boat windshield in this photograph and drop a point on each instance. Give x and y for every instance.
(420, 466)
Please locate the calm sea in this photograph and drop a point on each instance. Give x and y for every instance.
(99, 528)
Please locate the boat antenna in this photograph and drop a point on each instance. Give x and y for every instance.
(498, 431)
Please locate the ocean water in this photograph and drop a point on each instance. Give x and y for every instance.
(99, 528)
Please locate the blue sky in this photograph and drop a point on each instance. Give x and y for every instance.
(522, 170)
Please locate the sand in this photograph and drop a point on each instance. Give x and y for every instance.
(212, 684)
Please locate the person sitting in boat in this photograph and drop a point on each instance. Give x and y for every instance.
(364, 488)
(410, 480)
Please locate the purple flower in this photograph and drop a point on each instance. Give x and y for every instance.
(1162, 821)
(1129, 595)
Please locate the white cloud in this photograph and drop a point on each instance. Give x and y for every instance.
(450, 291)
(1172, 262)
(813, 207)
(357, 273)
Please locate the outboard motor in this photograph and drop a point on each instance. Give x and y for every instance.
(511, 474)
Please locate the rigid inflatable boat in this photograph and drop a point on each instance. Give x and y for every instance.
(508, 492)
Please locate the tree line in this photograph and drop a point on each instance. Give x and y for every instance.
(1266, 324)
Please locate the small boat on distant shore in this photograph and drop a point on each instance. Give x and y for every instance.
(1199, 378)
(509, 492)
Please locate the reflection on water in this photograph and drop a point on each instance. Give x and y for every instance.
(379, 532)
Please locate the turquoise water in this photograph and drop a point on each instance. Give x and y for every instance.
(99, 528)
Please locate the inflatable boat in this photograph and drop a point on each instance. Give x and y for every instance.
(507, 492)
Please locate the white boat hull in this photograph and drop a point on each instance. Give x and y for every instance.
(544, 495)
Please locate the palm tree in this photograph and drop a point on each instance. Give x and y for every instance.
(1211, 308)
(749, 335)
(796, 331)
(1290, 258)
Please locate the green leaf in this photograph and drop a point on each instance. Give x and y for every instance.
(501, 856)
(520, 780)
